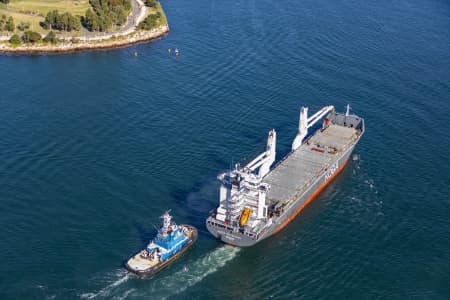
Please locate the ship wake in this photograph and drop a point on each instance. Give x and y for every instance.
(163, 287)
(193, 272)
(120, 277)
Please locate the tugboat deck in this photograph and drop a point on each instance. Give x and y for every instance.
(141, 264)
(300, 168)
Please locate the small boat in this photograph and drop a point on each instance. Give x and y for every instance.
(170, 243)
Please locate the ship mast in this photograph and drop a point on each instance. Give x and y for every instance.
(166, 223)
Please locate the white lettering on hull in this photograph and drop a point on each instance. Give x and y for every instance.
(228, 236)
(331, 171)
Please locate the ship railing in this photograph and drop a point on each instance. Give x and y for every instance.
(234, 210)
(222, 225)
(236, 198)
(236, 206)
(213, 212)
(235, 203)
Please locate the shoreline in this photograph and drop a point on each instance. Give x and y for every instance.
(68, 46)
(126, 36)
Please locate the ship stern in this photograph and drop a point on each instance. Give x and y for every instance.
(228, 235)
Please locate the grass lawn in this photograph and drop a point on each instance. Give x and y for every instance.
(75, 7)
(18, 17)
(34, 11)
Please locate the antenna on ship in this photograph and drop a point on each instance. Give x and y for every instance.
(166, 222)
(347, 112)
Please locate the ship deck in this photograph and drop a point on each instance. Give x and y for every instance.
(299, 169)
(139, 263)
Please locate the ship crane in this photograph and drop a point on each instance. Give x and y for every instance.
(230, 197)
(305, 123)
(265, 159)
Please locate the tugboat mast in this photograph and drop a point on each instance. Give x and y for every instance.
(166, 223)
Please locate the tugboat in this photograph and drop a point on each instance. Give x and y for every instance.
(170, 243)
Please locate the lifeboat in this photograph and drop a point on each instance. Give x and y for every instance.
(244, 217)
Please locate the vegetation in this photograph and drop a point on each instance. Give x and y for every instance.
(150, 22)
(6, 23)
(151, 3)
(155, 18)
(31, 37)
(65, 21)
(3, 19)
(40, 8)
(106, 13)
(23, 26)
(15, 40)
(9, 25)
(38, 20)
(51, 38)
(35, 11)
(4, 1)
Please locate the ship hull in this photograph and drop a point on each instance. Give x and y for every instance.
(236, 239)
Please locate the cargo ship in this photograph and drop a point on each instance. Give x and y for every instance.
(170, 243)
(256, 201)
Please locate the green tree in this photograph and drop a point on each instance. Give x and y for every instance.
(50, 19)
(150, 22)
(23, 26)
(4, 1)
(51, 38)
(105, 23)
(2, 21)
(106, 13)
(121, 16)
(9, 26)
(91, 20)
(150, 3)
(65, 21)
(31, 37)
(15, 39)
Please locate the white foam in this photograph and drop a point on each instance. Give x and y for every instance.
(193, 272)
(106, 291)
(162, 287)
(124, 295)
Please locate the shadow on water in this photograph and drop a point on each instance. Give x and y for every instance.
(197, 201)
(145, 233)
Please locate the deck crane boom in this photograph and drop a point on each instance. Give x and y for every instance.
(305, 123)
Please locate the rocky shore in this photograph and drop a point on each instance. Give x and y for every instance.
(72, 45)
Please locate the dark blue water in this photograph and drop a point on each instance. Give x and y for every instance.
(94, 146)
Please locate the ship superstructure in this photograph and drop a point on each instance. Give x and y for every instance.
(256, 201)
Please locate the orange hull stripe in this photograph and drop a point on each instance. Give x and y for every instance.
(311, 198)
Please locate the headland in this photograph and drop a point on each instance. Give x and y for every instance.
(58, 33)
